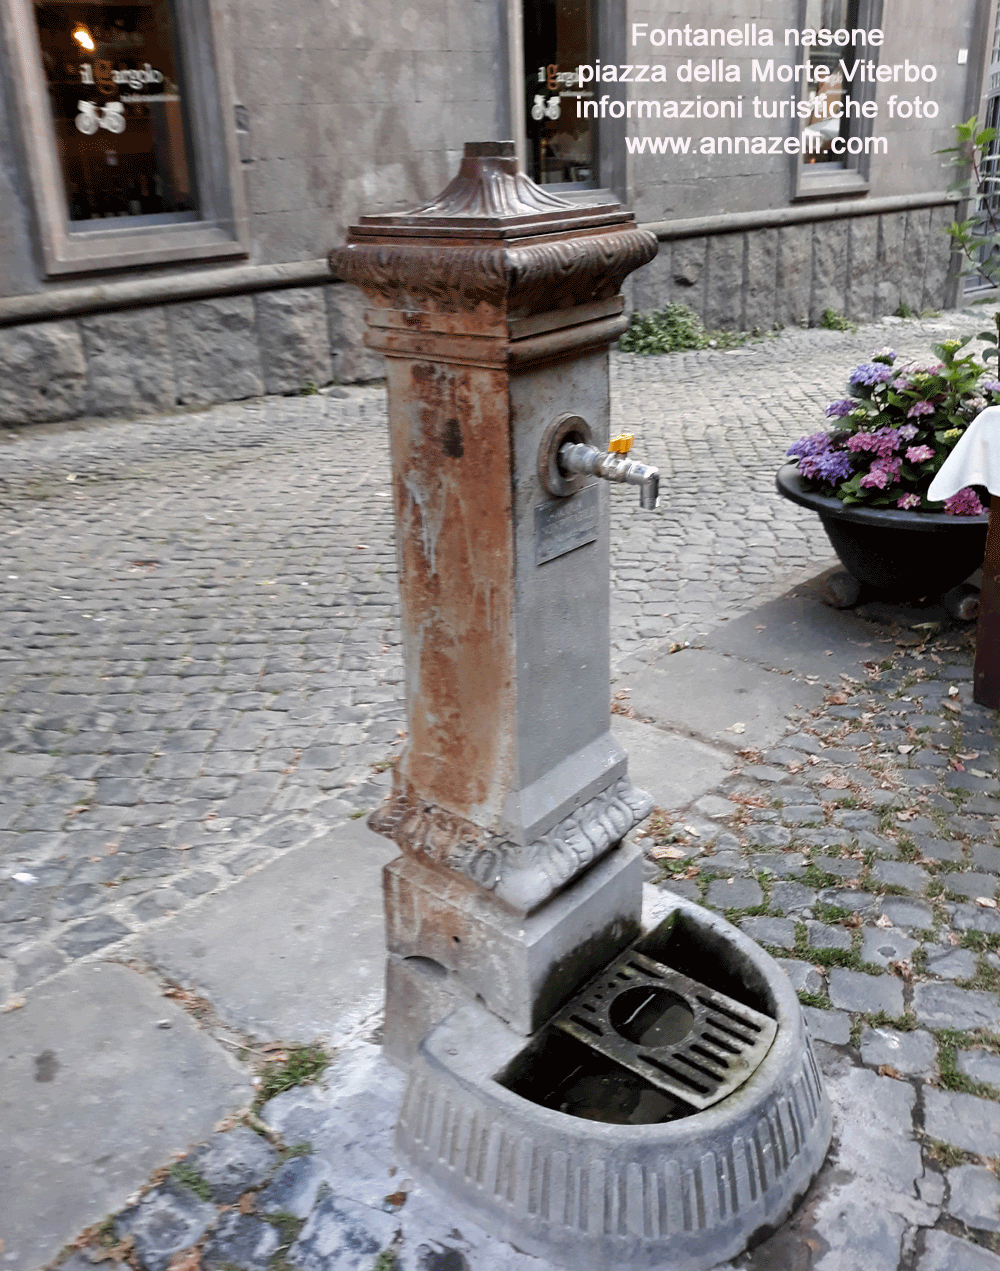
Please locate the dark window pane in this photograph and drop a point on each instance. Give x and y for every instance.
(118, 107)
(558, 38)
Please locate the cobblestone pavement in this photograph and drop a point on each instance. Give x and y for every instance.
(862, 852)
(200, 669)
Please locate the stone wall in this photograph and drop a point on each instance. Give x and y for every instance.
(862, 268)
(191, 353)
(225, 348)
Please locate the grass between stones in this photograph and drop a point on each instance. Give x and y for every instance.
(300, 1066)
(987, 977)
(981, 941)
(189, 1177)
(288, 1228)
(813, 876)
(947, 1156)
(829, 913)
(950, 1041)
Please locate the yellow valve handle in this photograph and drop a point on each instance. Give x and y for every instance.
(621, 444)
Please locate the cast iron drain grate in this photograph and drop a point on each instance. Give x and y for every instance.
(682, 1036)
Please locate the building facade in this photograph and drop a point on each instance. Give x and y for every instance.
(173, 172)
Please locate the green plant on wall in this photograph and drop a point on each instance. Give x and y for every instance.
(978, 236)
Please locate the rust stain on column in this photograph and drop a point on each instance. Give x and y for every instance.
(452, 491)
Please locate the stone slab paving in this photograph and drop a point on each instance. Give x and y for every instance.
(200, 677)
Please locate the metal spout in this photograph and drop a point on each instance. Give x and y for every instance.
(589, 461)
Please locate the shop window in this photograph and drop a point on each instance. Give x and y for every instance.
(561, 135)
(123, 127)
(836, 128)
(559, 37)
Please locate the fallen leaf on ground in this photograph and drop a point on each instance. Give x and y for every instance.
(663, 852)
(952, 706)
(13, 1004)
(834, 781)
(396, 1199)
(836, 699)
(186, 1260)
(887, 1070)
(736, 728)
(986, 902)
(978, 772)
(689, 829)
(952, 691)
(883, 922)
(905, 750)
(120, 1251)
(907, 814)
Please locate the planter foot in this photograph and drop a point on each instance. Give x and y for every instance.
(840, 590)
(962, 602)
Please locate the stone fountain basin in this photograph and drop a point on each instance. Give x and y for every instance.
(688, 1193)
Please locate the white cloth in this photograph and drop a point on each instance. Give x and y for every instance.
(975, 459)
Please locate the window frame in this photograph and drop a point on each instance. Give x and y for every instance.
(609, 38)
(853, 177)
(222, 226)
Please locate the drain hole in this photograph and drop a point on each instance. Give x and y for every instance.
(650, 1017)
(561, 1073)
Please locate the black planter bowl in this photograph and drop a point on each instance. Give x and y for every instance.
(897, 554)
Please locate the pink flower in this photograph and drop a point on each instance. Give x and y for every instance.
(964, 503)
(883, 472)
(883, 441)
(920, 408)
(919, 454)
(908, 501)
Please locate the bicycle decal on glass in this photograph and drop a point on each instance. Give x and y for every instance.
(111, 117)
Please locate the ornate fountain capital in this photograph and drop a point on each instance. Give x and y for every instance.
(494, 238)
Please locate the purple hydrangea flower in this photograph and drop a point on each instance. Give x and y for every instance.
(920, 408)
(837, 410)
(883, 441)
(833, 466)
(964, 503)
(908, 432)
(988, 386)
(870, 374)
(816, 443)
(919, 454)
(883, 472)
(908, 501)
